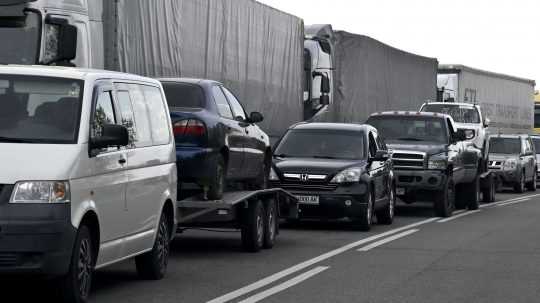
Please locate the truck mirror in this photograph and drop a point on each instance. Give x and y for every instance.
(325, 84)
(486, 122)
(324, 100)
(63, 41)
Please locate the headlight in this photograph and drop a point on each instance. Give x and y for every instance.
(348, 175)
(273, 175)
(510, 164)
(440, 164)
(41, 192)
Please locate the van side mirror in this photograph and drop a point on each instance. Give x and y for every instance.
(65, 49)
(112, 135)
(255, 117)
(486, 122)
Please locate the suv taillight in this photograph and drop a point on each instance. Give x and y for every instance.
(191, 127)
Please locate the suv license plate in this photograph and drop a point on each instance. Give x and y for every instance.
(400, 191)
(314, 200)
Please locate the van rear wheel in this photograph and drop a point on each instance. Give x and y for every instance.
(153, 264)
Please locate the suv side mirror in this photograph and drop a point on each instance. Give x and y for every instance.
(255, 117)
(112, 135)
(486, 122)
(380, 155)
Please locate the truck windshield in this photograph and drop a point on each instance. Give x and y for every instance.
(460, 114)
(324, 144)
(509, 146)
(411, 128)
(21, 39)
(39, 109)
(536, 142)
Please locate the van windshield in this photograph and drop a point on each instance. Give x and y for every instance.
(39, 109)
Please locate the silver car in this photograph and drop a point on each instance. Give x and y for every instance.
(513, 159)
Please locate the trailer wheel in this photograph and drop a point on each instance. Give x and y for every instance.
(253, 227)
(488, 193)
(270, 224)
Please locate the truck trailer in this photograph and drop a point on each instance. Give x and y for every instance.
(252, 48)
(507, 101)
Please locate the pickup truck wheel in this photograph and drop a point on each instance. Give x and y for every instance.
(488, 193)
(444, 200)
(153, 264)
(460, 196)
(532, 185)
(520, 186)
(270, 224)
(473, 194)
(365, 219)
(386, 214)
(253, 227)
(217, 184)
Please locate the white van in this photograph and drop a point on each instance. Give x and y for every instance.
(87, 174)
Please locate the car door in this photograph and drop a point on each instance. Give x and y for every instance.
(108, 178)
(386, 168)
(376, 168)
(254, 145)
(234, 132)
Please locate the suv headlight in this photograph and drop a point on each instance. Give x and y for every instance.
(348, 175)
(510, 164)
(41, 192)
(273, 176)
(437, 163)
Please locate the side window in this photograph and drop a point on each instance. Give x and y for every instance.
(127, 116)
(528, 147)
(142, 121)
(159, 121)
(103, 114)
(380, 143)
(238, 110)
(372, 145)
(223, 106)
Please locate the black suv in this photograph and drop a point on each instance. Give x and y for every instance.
(336, 171)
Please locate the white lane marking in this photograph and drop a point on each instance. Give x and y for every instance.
(386, 240)
(509, 200)
(513, 202)
(287, 284)
(458, 216)
(459, 212)
(270, 279)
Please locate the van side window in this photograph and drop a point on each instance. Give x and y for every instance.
(142, 122)
(159, 120)
(223, 106)
(103, 114)
(127, 117)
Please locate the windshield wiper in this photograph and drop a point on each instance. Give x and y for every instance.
(16, 140)
(409, 139)
(324, 157)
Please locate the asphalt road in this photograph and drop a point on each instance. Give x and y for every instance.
(491, 255)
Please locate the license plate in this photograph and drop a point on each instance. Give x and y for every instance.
(400, 191)
(308, 199)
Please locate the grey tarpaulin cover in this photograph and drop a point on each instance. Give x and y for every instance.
(371, 76)
(255, 50)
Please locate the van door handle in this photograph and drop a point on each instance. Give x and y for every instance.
(122, 161)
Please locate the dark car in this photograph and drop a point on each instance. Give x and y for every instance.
(513, 160)
(216, 141)
(336, 171)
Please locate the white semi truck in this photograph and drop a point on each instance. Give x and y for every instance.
(258, 51)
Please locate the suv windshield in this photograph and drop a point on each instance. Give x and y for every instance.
(460, 114)
(536, 142)
(183, 95)
(39, 109)
(411, 128)
(325, 144)
(511, 146)
(23, 34)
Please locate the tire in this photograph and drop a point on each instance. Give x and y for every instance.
(75, 286)
(253, 227)
(473, 194)
(519, 187)
(386, 214)
(365, 219)
(444, 200)
(532, 185)
(217, 184)
(270, 224)
(488, 194)
(460, 197)
(153, 264)
(264, 174)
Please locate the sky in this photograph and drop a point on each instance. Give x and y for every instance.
(496, 35)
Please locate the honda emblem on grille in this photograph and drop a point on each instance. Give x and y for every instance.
(304, 177)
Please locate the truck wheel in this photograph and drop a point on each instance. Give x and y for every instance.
(444, 200)
(217, 184)
(75, 286)
(153, 264)
(488, 193)
(386, 215)
(520, 186)
(473, 194)
(270, 224)
(253, 227)
(532, 185)
(460, 196)
(365, 219)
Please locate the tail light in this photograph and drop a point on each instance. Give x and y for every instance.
(192, 128)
